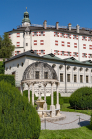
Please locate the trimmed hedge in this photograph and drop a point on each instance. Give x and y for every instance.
(8, 78)
(18, 118)
(82, 98)
(1, 67)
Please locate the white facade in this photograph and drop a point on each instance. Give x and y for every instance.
(62, 41)
(68, 81)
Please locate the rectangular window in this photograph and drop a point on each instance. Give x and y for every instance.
(36, 51)
(81, 78)
(18, 34)
(62, 43)
(41, 42)
(84, 46)
(86, 78)
(56, 42)
(37, 75)
(84, 55)
(68, 44)
(89, 38)
(90, 55)
(35, 33)
(35, 42)
(26, 44)
(90, 47)
(62, 53)
(45, 75)
(75, 78)
(61, 77)
(41, 33)
(68, 77)
(75, 45)
(18, 44)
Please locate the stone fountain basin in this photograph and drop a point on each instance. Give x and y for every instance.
(40, 104)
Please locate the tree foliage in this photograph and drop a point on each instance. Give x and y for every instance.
(18, 118)
(6, 46)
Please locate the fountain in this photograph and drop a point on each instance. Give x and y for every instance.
(40, 102)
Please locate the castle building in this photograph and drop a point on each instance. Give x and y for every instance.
(62, 41)
(66, 49)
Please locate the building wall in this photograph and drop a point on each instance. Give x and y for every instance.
(71, 86)
(51, 41)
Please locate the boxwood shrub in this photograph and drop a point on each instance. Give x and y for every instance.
(1, 67)
(82, 98)
(18, 118)
(8, 78)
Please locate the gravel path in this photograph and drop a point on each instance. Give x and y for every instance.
(70, 116)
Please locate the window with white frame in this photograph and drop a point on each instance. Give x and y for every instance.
(62, 52)
(86, 78)
(81, 78)
(61, 77)
(68, 77)
(35, 33)
(36, 74)
(45, 75)
(26, 44)
(75, 78)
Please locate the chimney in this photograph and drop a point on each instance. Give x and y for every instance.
(45, 24)
(57, 25)
(77, 28)
(69, 26)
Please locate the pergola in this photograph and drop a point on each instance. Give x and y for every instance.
(43, 73)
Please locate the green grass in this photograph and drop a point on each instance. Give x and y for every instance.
(78, 133)
(66, 107)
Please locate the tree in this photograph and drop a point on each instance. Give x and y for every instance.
(6, 46)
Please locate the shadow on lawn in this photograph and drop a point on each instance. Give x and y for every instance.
(84, 123)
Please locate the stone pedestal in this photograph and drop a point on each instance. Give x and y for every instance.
(52, 108)
(45, 106)
(58, 111)
(57, 106)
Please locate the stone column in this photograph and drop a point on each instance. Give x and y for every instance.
(29, 92)
(45, 104)
(21, 89)
(57, 105)
(33, 94)
(52, 107)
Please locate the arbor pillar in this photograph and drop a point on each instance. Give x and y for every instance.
(57, 105)
(33, 93)
(52, 107)
(29, 92)
(21, 89)
(45, 104)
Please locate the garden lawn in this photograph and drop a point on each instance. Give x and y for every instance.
(78, 133)
(66, 107)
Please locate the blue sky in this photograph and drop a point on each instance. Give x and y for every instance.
(63, 11)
